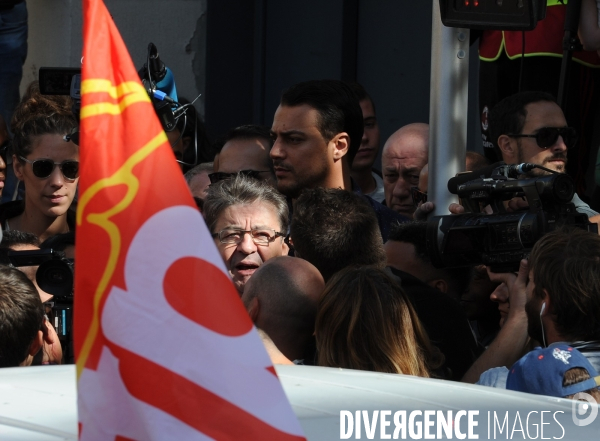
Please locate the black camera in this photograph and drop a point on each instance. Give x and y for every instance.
(501, 239)
(54, 274)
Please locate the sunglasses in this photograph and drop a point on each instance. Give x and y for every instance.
(418, 196)
(547, 136)
(221, 176)
(42, 168)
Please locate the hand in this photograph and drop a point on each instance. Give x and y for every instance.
(455, 208)
(423, 211)
(517, 204)
(517, 288)
(52, 348)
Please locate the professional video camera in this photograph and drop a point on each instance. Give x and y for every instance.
(55, 276)
(501, 239)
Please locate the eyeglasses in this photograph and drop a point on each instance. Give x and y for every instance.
(547, 136)
(262, 236)
(418, 196)
(221, 176)
(42, 168)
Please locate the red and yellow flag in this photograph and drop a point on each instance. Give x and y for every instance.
(164, 347)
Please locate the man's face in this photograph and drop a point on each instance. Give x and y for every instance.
(246, 154)
(402, 161)
(532, 309)
(475, 301)
(301, 156)
(500, 296)
(369, 145)
(542, 114)
(199, 185)
(244, 258)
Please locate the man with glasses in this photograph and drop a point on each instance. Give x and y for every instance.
(246, 151)
(248, 220)
(531, 127)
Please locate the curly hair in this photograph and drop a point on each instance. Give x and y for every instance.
(38, 115)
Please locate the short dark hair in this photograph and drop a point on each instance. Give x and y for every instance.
(11, 238)
(566, 263)
(508, 116)
(361, 93)
(338, 107)
(21, 316)
(334, 228)
(415, 233)
(250, 131)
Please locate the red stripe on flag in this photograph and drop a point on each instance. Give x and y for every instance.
(212, 301)
(192, 404)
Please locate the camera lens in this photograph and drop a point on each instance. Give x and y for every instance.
(563, 188)
(55, 277)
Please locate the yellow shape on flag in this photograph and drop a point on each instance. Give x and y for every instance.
(132, 92)
(124, 175)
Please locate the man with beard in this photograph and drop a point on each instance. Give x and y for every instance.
(248, 220)
(317, 131)
(555, 298)
(531, 127)
(528, 127)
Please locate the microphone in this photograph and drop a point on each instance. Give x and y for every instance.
(161, 74)
(508, 170)
(514, 170)
(461, 178)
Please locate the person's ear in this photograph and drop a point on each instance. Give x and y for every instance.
(253, 309)
(36, 344)
(548, 301)
(17, 167)
(285, 249)
(186, 141)
(49, 337)
(439, 284)
(341, 145)
(508, 147)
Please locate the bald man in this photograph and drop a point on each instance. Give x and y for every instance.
(281, 299)
(404, 154)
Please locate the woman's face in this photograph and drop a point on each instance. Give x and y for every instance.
(51, 196)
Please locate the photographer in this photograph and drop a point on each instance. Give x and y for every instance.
(554, 298)
(528, 127)
(21, 319)
(52, 352)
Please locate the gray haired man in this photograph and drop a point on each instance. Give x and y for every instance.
(248, 220)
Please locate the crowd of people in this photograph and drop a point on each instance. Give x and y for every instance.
(330, 257)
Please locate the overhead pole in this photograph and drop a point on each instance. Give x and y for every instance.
(448, 105)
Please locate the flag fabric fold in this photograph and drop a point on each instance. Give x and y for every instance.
(164, 347)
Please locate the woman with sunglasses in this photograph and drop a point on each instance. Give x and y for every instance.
(46, 160)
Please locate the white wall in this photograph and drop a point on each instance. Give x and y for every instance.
(176, 27)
